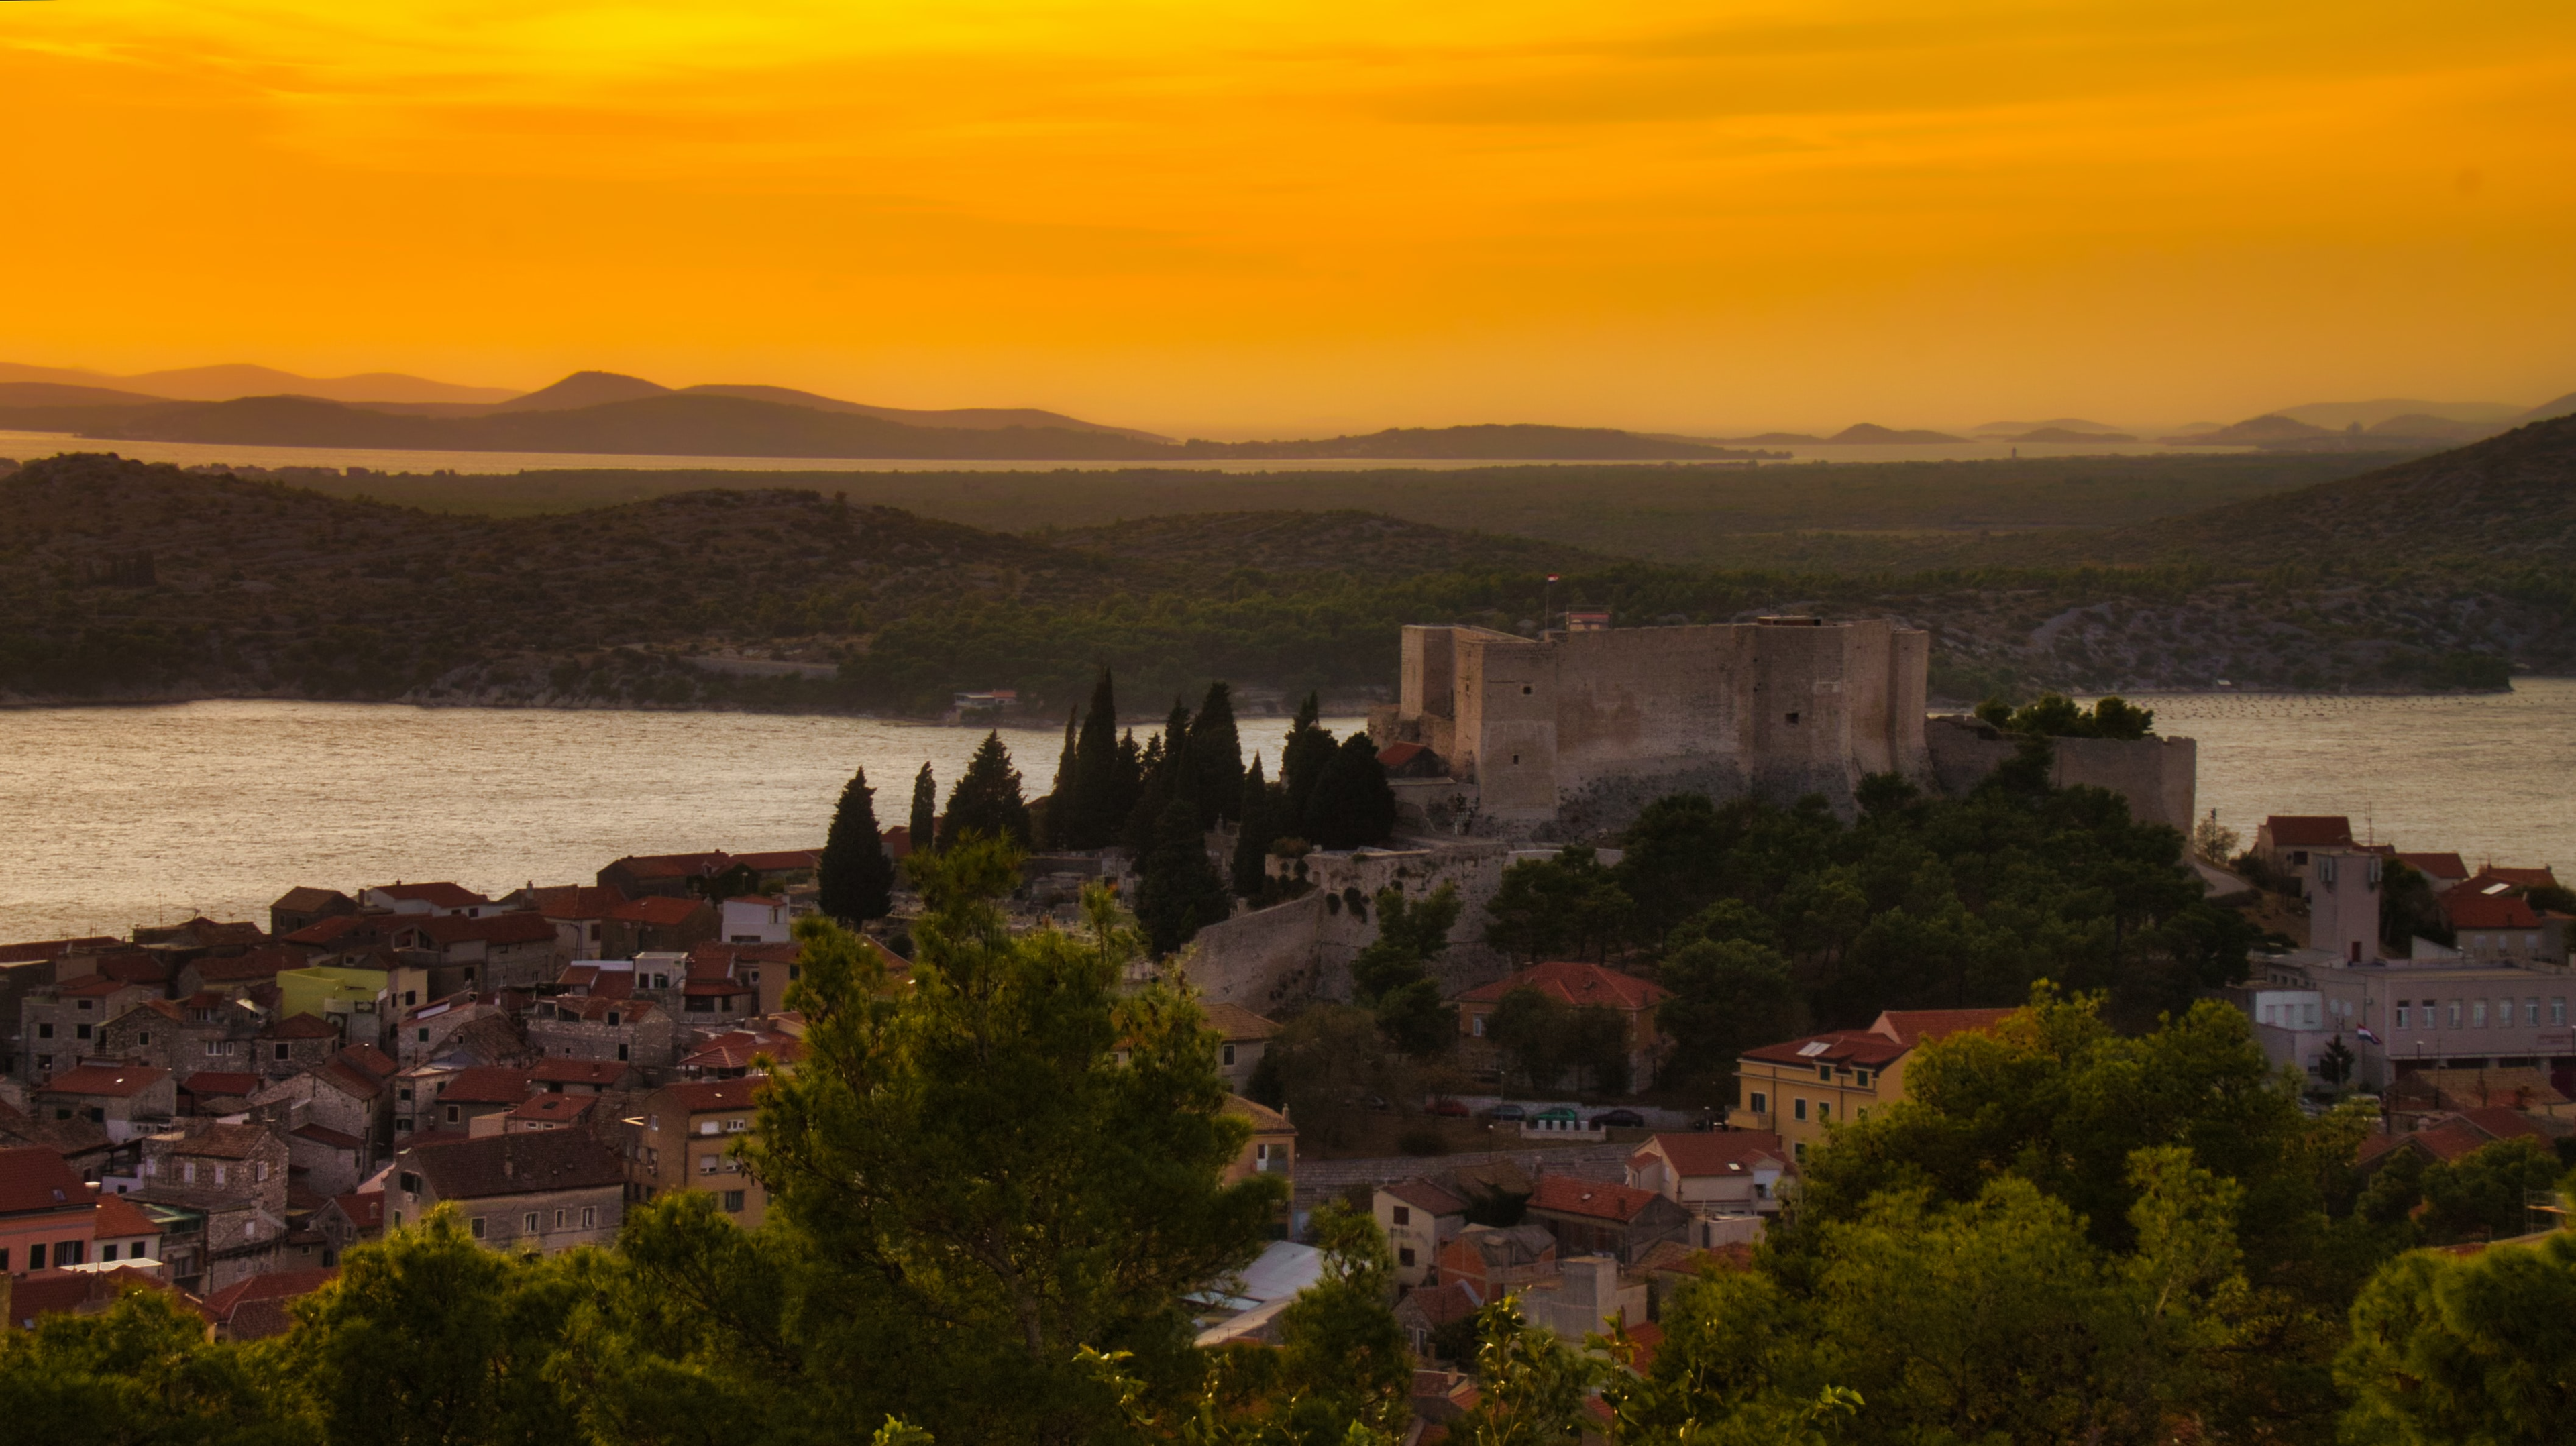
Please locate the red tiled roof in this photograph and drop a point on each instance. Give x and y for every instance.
(223, 1142)
(1599, 1199)
(577, 901)
(1578, 984)
(1719, 1152)
(717, 988)
(1396, 755)
(119, 1220)
(672, 866)
(365, 1210)
(117, 1081)
(1851, 1047)
(276, 1285)
(530, 1162)
(1648, 1338)
(300, 1026)
(522, 928)
(368, 1060)
(702, 1096)
(2438, 866)
(324, 932)
(1910, 1027)
(735, 1051)
(2309, 831)
(2465, 908)
(2501, 1123)
(781, 861)
(2452, 1142)
(35, 1178)
(209, 1082)
(658, 910)
(304, 899)
(437, 896)
(597, 1007)
(135, 968)
(260, 963)
(326, 1136)
(213, 934)
(1233, 1021)
(1443, 1304)
(554, 1108)
(42, 1295)
(96, 986)
(486, 1084)
(37, 950)
(1423, 1195)
(2539, 878)
(600, 1072)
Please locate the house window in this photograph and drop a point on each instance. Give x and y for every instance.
(621, 1054)
(2558, 1010)
(1860, 1077)
(733, 1201)
(219, 1172)
(1476, 1025)
(706, 1127)
(281, 1051)
(2477, 1014)
(36, 1256)
(82, 1032)
(452, 1115)
(187, 1172)
(1825, 1072)
(2455, 1014)
(410, 1183)
(589, 1216)
(423, 1035)
(560, 1217)
(69, 1252)
(107, 1252)
(2401, 1013)
(1824, 1111)
(262, 1168)
(1800, 1150)
(1761, 1103)
(1404, 1255)
(1800, 1106)
(143, 1036)
(1227, 1053)
(1403, 1214)
(736, 1127)
(44, 1031)
(478, 1227)
(707, 1164)
(528, 1223)
(612, 1018)
(2531, 1010)
(410, 998)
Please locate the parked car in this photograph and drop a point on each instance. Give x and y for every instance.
(1510, 1112)
(1619, 1120)
(1454, 1109)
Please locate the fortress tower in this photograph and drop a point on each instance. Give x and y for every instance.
(1582, 728)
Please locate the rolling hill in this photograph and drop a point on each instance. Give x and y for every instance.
(224, 383)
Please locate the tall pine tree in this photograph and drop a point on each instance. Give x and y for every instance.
(856, 878)
(1052, 816)
(987, 799)
(1098, 809)
(1181, 892)
(1301, 763)
(1352, 804)
(1217, 752)
(925, 809)
(1259, 809)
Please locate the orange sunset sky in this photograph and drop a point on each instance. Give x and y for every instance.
(1241, 217)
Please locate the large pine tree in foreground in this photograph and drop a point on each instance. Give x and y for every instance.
(855, 878)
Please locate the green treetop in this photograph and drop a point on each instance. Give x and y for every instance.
(987, 799)
(855, 878)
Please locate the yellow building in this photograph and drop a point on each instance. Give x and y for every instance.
(1801, 1087)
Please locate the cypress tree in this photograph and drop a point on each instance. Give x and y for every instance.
(1052, 818)
(1217, 750)
(1127, 784)
(856, 877)
(925, 809)
(987, 799)
(1098, 809)
(1352, 804)
(1181, 892)
(1260, 829)
(1137, 832)
(1301, 763)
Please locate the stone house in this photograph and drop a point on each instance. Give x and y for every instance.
(738, 1052)
(1272, 1150)
(224, 1189)
(626, 1031)
(218, 1092)
(236, 975)
(126, 1099)
(346, 1220)
(1596, 1217)
(583, 1076)
(544, 1110)
(343, 1101)
(2286, 842)
(689, 1129)
(2491, 924)
(579, 914)
(548, 1191)
(456, 1100)
(657, 924)
(207, 1031)
(58, 1024)
(440, 900)
(1492, 1260)
(295, 1044)
(329, 1160)
(1586, 1296)
(670, 876)
(302, 908)
(714, 994)
(500, 951)
(423, 1034)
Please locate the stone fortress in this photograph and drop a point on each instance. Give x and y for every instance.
(1502, 748)
(1568, 735)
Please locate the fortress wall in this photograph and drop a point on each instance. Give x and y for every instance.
(2158, 776)
(1341, 932)
(1654, 700)
(1262, 959)
(1802, 723)
(1429, 682)
(1909, 672)
(1867, 656)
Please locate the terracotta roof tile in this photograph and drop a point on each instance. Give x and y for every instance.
(518, 1164)
(1848, 1047)
(1577, 984)
(1911, 1027)
(2466, 908)
(2309, 831)
(488, 1084)
(115, 1081)
(658, 910)
(1598, 1199)
(1233, 1021)
(223, 1142)
(35, 1178)
(207, 1083)
(119, 1220)
(437, 896)
(1719, 1152)
(700, 1097)
(2437, 866)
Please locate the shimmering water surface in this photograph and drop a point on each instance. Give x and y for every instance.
(115, 816)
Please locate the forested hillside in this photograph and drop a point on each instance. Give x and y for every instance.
(131, 581)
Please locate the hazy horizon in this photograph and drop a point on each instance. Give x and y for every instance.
(1229, 220)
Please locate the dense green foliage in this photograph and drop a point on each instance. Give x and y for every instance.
(923, 823)
(855, 879)
(2479, 1350)
(1392, 975)
(2053, 715)
(987, 801)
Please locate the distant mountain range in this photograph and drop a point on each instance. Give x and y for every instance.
(223, 383)
(605, 413)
